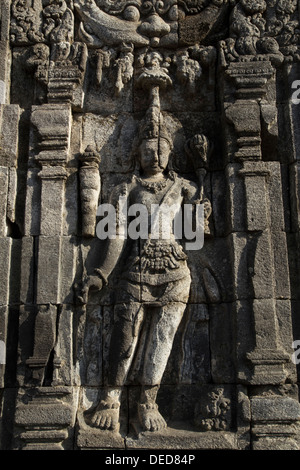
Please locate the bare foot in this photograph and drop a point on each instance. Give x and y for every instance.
(150, 418)
(106, 415)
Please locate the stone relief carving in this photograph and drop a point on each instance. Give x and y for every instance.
(153, 23)
(155, 282)
(156, 102)
(263, 29)
(212, 412)
(90, 186)
(58, 21)
(25, 21)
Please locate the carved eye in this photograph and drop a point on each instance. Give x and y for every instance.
(131, 13)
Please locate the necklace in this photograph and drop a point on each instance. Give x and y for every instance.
(153, 186)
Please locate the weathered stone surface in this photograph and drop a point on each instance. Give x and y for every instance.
(3, 198)
(4, 51)
(3, 342)
(5, 254)
(278, 409)
(139, 340)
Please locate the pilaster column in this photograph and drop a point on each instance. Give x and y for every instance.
(259, 248)
(51, 126)
(249, 89)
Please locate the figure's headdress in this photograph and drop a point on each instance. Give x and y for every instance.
(152, 126)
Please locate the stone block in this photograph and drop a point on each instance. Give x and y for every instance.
(68, 260)
(27, 314)
(51, 125)
(271, 443)
(221, 325)
(5, 254)
(281, 265)
(256, 206)
(253, 268)
(28, 270)
(274, 409)
(48, 275)
(265, 325)
(277, 197)
(64, 347)
(245, 335)
(11, 194)
(261, 265)
(220, 204)
(11, 346)
(5, 27)
(294, 181)
(4, 179)
(195, 366)
(237, 199)
(15, 273)
(241, 281)
(33, 204)
(43, 362)
(7, 424)
(9, 134)
(44, 414)
(243, 130)
(52, 200)
(3, 342)
(285, 334)
(292, 240)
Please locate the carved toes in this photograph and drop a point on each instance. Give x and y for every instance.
(150, 418)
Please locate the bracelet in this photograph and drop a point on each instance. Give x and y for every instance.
(104, 279)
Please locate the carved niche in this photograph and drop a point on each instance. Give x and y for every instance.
(143, 341)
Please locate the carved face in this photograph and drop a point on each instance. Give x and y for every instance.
(154, 156)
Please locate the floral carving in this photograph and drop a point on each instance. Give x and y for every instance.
(24, 22)
(212, 414)
(58, 21)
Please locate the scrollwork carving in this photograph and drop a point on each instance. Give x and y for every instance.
(58, 21)
(263, 30)
(212, 413)
(25, 25)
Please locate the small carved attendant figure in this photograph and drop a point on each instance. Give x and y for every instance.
(153, 290)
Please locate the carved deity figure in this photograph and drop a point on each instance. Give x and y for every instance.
(153, 287)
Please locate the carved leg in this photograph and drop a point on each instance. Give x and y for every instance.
(128, 321)
(165, 322)
(164, 325)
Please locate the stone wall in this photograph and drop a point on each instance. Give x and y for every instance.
(78, 81)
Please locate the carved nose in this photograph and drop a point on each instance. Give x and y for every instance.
(154, 27)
